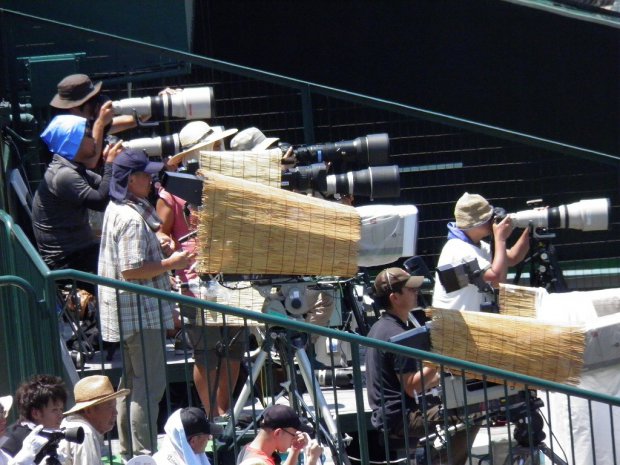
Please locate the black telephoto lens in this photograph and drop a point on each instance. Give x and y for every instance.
(370, 150)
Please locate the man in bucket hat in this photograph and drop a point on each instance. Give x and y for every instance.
(94, 411)
(130, 251)
(77, 95)
(474, 222)
(281, 430)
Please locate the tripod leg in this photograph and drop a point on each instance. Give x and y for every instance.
(248, 387)
(313, 386)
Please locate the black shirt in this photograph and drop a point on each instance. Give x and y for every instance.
(382, 374)
(60, 208)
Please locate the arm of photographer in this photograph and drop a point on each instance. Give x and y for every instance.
(503, 257)
(412, 381)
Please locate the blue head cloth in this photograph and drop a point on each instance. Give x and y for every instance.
(64, 135)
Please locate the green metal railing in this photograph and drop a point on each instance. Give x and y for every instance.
(29, 340)
(26, 353)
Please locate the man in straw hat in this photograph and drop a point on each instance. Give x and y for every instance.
(474, 222)
(187, 433)
(130, 251)
(390, 378)
(94, 411)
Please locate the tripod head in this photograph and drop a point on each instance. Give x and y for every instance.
(529, 423)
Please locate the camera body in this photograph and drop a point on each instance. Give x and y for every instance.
(54, 436)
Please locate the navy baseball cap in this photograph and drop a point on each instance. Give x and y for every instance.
(126, 163)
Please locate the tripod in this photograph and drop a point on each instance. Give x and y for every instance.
(277, 338)
(529, 435)
(545, 269)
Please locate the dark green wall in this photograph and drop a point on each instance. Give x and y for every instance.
(161, 22)
(485, 60)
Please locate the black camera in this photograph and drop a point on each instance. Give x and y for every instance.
(54, 436)
(499, 214)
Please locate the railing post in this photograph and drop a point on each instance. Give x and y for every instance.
(307, 114)
(359, 403)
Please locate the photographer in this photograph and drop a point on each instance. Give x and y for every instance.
(40, 401)
(474, 222)
(77, 95)
(69, 188)
(390, 378)
(131, 252)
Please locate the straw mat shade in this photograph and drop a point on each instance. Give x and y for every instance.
(523, 345)
(519, 300)
(248, 228)
(263, 167)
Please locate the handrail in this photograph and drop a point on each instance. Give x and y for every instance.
(379, 103)
(25, 286)
(22, 239)
(280, 320)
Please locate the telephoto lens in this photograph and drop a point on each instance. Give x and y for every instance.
(585, 215)
(192, 103)
(370, 150)
(375, 182)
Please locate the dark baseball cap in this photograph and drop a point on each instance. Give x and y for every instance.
(74, 90)
(195, 422)
(126, 163)
(283, 416)
(393, 279)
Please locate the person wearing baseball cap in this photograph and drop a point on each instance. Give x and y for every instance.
(95, 412)
(187, 433)
(281, 430)
(131, 251)
(474, 222)
(394, 381)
